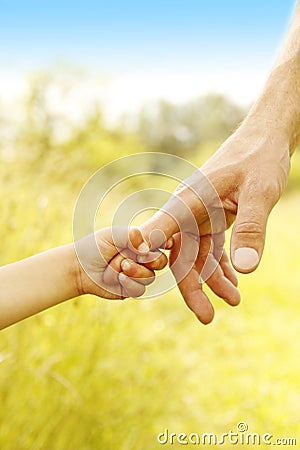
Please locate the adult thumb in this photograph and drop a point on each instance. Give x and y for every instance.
(249, 231)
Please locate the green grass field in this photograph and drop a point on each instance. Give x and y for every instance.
(91, 375)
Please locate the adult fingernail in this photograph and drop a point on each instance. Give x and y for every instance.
(143, 248)
(245, 258)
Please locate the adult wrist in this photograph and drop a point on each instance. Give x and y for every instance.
(277, 110)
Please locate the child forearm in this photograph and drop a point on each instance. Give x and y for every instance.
(37, 283)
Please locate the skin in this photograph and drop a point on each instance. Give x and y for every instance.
(249, 173)
(47, 279)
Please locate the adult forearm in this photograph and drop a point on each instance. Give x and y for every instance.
(277, 109)
(36, 283)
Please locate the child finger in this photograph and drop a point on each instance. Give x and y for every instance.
(139, 273)
(169, 244)
(111, 273)
(126, 237)
(137, 240)
(154, 260)
(130, 287)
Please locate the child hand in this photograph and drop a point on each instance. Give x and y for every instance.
(113, 271)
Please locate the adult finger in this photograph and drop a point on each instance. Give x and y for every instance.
(159, 229)
(228, 270)
(178, 214)
(249, 230)
(188, 279)
(220, 254)
(223, 287)
(212, 274)
(195, 298)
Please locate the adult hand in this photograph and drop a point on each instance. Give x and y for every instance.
(249, 173)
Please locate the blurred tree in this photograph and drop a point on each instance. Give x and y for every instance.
(171, 128)
(47, 121)
(39, 124)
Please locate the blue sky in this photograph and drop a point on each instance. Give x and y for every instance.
(181, 39)
(118, 34)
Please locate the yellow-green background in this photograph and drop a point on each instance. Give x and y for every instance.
(91, 374)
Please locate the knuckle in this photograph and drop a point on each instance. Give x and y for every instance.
(264, 188)
(249, 228)
(269, 189)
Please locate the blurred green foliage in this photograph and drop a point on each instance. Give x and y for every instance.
(90, 374)
(175, 129)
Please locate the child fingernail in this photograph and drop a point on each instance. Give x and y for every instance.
(142, 259)
(122, 276)
(143, 248)
(126, 265)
